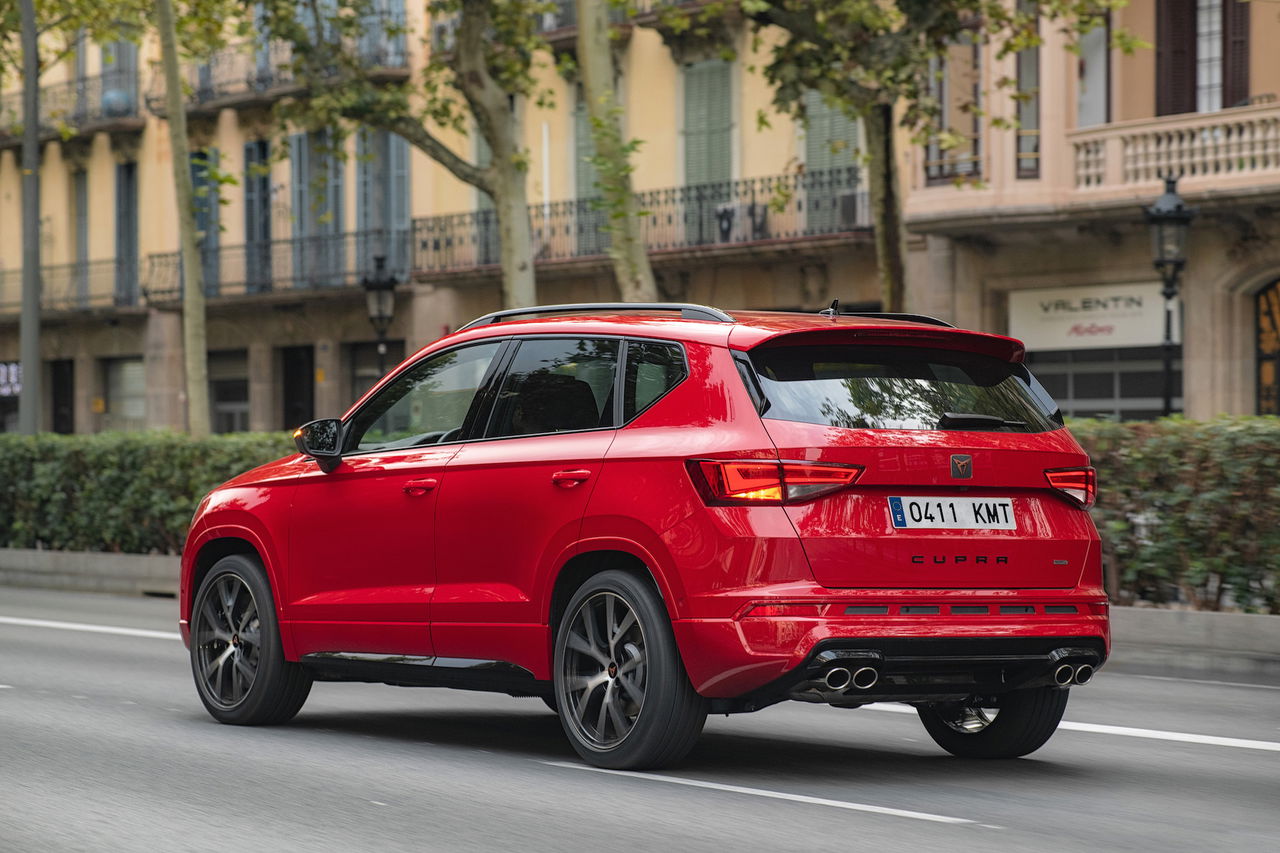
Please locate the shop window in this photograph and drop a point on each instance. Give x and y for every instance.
(1124, 384)
(229, 391)
(1268, 349)
(124, 404)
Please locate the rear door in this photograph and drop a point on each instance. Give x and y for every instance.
(955, 446)
(512, 502)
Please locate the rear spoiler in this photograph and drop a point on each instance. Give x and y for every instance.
(983, 343)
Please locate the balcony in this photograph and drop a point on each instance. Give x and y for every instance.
(325, 262)
(104, 102)
(78, 286)
(1232, 151)
(762, 214)
(258, 72)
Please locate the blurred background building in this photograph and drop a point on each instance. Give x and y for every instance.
(1036, 232)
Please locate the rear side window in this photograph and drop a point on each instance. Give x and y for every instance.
(653, 369)
(902, 388)
(557, 385)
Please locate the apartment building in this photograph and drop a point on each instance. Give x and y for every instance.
(1037, 233)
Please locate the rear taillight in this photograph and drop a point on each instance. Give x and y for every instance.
(1078, 484)
(758, 481)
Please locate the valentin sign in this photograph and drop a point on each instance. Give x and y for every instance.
(10, 379)
(1113, 315)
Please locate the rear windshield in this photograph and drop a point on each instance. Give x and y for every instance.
(901, 388)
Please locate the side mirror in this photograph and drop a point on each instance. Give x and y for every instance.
(322, 441)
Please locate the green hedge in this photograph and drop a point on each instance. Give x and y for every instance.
(1189, 511)
(129, 492)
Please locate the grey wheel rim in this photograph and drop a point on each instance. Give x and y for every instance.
(967, 720)
(604, 670)
(227, 636)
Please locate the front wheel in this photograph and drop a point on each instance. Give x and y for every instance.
(1021, 724)
(236, 656)
(622, 693)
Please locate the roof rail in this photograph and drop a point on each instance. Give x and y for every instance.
(834, 311)
(687, 311)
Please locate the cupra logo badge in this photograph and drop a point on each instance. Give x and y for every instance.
(962, 466)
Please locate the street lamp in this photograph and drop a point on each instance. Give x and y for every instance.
(380, 297)
(1169, 219)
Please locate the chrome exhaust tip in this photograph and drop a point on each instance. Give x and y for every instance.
(866, 678)
(1063, 675)
(837, 679)
(1084, 674)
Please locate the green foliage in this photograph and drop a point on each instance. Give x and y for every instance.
(127, 492)
(1189, 509)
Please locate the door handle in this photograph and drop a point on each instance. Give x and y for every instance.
(418, 488)
(569, 479)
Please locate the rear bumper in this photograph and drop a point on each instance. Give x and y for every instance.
(761, 659)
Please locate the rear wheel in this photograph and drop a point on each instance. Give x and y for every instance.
(1024, 720)
(623, 696)
(236, 655)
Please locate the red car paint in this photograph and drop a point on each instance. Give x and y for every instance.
(454, 550)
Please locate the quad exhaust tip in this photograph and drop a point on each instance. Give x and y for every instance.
(1083, 674)
(1064, 674)
(837, 679)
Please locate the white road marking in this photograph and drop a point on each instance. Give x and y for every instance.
(6, 686)
(1126, 731)
(91, 629)
(771, 795)
(1204, 681)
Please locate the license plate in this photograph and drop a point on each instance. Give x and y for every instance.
(953, 513)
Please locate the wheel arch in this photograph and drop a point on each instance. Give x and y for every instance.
(575, 572)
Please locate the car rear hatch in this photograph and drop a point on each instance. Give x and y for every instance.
(959, 449)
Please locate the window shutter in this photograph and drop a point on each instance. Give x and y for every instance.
(299, 178)
(1175, 57)
(334, 196)
(708, 123)
(126, 233)
(398, 190)
(585, 175)
(831, 138)
(1235, 52)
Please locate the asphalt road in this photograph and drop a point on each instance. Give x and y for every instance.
(104, 746)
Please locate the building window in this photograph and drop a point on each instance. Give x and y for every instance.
(204, 165)
(708, 122)
(10, 390)
(257, 215)
(126, 234)
(319, 200)
(382, 202)
(592, 218)
(1028, 73)
(1202, 55)
(1268, 339)
(298, 368)
(229, 391)
(80, 210)
(956, 84)
(124, 405)
(1124, 383)
(1093, 92)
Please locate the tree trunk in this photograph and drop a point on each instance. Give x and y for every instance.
(886, 207)
(29, 402)
(194, 347)
(519, 289)
(630, 257)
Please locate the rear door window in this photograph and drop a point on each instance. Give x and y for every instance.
(557, 385)
(901, 388)
(653, 369)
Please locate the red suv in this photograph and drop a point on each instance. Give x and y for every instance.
(645, 513)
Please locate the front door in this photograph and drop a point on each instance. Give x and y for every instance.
(362, 537)
(512, 504)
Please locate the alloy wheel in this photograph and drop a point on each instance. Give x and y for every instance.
(604, 671)
(228, 637)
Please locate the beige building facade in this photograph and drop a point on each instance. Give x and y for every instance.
(1036, 232)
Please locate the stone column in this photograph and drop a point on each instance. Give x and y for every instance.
(264, 392)
(166, 380)
(329, 402)
(430, 310)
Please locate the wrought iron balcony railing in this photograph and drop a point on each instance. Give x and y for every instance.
(301, 263)
(78, 286)
(704, 216)
(80, 105)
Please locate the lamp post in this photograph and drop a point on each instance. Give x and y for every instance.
(1169, 219)
(380, 298)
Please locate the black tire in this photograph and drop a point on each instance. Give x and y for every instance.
(550, 702)
(1024, 721)
(624, 698)
(236, 656)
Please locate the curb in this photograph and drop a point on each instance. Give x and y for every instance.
(90, 571)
